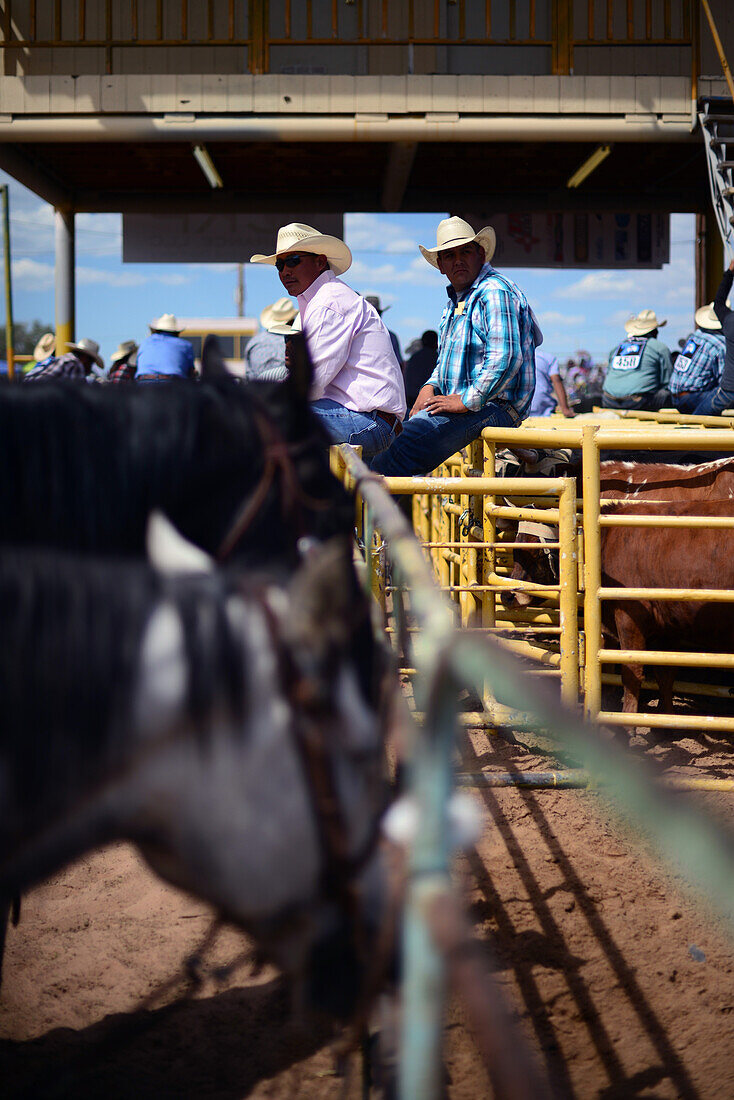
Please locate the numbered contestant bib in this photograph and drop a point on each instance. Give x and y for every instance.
(687, 355)
(629, 354)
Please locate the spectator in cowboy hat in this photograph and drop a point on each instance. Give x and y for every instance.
(714, 401)
(485, 373)
(42, 352)
(164, 356)
(639, 368)
(265, 353)
(357, 389)
(76, 364)
(698, 367)
(374, 300)
(123, 362)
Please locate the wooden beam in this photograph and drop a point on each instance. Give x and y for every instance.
(397, 174)
(23, 169)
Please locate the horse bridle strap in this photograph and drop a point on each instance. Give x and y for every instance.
(278, 456)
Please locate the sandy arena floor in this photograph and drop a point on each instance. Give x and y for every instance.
(624, 985)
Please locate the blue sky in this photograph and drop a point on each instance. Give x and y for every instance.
(577, 308)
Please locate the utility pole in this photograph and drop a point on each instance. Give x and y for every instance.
(8, 284)
(239, 294)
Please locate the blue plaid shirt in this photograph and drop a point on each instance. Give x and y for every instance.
(486, 344)
(700, 363)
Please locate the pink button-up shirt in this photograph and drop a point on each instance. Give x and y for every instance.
(354, 362)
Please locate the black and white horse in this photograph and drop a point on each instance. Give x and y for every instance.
(229, 727)
(241, 470)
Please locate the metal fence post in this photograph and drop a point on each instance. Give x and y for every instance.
(567, 599)
(592, 570)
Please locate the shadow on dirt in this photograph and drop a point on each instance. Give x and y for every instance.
(219, 1046)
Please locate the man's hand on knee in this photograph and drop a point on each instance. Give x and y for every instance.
(424, 394)
(451, 403)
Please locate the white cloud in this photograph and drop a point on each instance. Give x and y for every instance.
(599, 284)
(372, 233)
(417, 272)
(553, 317)
(33, 275)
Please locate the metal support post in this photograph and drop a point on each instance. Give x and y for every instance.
(65, 279)
(8, 285)
(567, 600)
(592, 556)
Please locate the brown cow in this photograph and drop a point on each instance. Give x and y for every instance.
(667, 557)
(617, 480)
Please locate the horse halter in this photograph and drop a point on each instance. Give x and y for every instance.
(279, 454)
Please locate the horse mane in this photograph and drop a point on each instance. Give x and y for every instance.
(73, 630)
(78, 458)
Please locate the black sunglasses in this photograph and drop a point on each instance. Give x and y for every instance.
(293, 260)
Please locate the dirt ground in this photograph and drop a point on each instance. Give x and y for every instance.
(619, 979)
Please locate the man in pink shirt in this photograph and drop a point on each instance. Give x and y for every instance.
(358, 389)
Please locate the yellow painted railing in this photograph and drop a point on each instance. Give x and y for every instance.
(458, 514)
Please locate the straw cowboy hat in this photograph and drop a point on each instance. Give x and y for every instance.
(645, 321)
(287, 330)
(89, 347)
(297, 237)
(167, 323)
(44, 347)
(453, 233)
(706, 318)
(374, 300)
(281, 312)
(125, 349)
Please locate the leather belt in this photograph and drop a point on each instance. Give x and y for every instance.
(393, 421)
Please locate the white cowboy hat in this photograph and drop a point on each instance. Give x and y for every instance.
(645, 321)
(297, 237)
(167, 323)
(453, 232)
(126, 348)
(89, 347)
(374, 300)
(44, 347)
(706, 318)
(287, 330)
(281, 312)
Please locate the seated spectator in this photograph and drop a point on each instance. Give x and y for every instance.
(76, 364)
(123, 362)
(265, 353)
(549, 389)
(42, 352)
(700, 362)
(357, 391)
(164, 356)
(716, 400)
(639, 368)
(421, 366)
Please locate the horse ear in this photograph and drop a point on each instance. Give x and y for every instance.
(300, 369)
(170, 552)
(212, 360)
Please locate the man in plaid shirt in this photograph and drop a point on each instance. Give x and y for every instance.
(698, 367)
(485, 374)
(75, 365)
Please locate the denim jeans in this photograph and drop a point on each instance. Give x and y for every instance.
(366, 430)
(687, 402)
(650, 402)
(426, 441)
(713, 402)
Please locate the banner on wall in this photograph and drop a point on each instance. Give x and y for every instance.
(210, 238)
(578, 239)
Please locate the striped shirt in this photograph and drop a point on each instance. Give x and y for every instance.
(486, 344)
(700, 363)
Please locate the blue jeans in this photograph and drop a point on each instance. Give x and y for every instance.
(426, 441)
(687, 402)
(366, 430)
(713, 402)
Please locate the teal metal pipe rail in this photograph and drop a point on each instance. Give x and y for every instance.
(695, 845)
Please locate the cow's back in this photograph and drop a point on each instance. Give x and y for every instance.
(667, 481)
